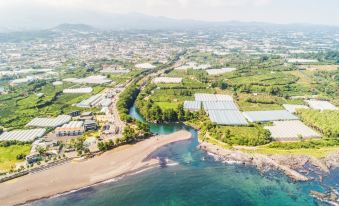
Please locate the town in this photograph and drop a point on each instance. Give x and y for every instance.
(66, 96)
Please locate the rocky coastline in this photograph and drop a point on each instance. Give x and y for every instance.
(296, 167)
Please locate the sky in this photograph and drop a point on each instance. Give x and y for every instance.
(37, 13)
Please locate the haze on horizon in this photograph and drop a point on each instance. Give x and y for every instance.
(45, 13)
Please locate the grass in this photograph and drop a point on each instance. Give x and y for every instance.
(167, 105)
(261, 102)
(218, 143)
(8, 155)
(303, 77)
(265, 102)
(325, 121)
(314, 152)
(265, 78)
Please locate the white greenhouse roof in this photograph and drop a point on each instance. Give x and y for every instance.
(98, 79)
(322, 105)
(73, 124)
(167, 80)
(145, 66)
(192, 105)
(219, 71)
(293, 107)
(269, 116)
(49, 122)
(212, 97)
(227, 117)
(290, 130)
(220, 105)
(91, 101)
(22, 135)
(83, 90)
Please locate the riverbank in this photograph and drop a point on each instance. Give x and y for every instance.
(75, 175)
(291, 165)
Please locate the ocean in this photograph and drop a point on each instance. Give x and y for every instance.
(189, 177)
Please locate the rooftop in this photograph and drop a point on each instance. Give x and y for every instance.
(49, 122)
(227, 117)
(291, 130)
(22, 135)
(322, 105)
(269, 116)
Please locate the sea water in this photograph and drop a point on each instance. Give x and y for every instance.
(188, 176)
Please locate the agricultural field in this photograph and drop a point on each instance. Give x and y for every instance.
(320, 67)
(23, 104)
(9, 155)
(252, 135)
(261, 102)
(265, 78)
(324, 121)
(316, 147)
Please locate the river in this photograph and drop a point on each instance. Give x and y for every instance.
(191, 177)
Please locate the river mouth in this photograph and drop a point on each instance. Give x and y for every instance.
(163, 128)
(189, 176)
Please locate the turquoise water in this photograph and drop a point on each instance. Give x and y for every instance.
(159, 128)
(188, 176)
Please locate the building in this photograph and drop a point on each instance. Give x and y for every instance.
(35, 157)
(74, 113)
(73, 128)
(90, 125)
(192, 106)
(22, 135)
(220, 71)
(292, 108)
(83, 90)
(49, 122)
(291, 131)
(269, 116)
(86, 116)
(321, 105)
(167, 80)
(145, 66)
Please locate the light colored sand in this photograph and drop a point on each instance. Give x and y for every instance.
(75, 175)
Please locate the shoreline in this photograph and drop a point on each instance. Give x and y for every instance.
(119, 162)
(113, 179)
(292, 166)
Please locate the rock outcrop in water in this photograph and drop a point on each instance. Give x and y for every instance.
(292, 165)
(330, 197)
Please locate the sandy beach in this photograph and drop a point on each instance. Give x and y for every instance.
(75, 175)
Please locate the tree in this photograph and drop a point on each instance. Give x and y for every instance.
(41, 150)
(128, 134)
(143, 128)
(181, 112)
(274, 90)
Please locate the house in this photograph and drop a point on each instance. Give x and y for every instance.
(35, 157)
(74, 128)
(90, 125)
(74, 113)
(86, 116)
